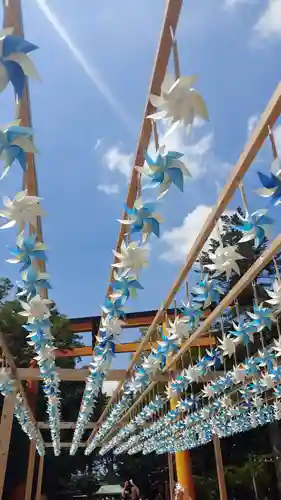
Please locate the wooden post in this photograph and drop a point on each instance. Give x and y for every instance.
(219, 464)
(184, 467)
(30, 471)
(171, 475)
(40, 477)
(5, 436)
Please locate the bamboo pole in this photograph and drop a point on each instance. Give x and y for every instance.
(219, 465)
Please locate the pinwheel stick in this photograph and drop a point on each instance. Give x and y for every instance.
(244, 198)
(175, 54)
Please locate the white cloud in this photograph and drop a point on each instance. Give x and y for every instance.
(108, 188)
(109, 387)
(98, 143)
(251, 125)
(231, 4)
(91, 71)
(115, 160)
(269, 24)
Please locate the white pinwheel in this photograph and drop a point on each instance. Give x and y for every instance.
(46, 353)
(225, 261)
(111, 326)
(238, 374)
(277, 409)
(179, 328)
(267, 381)
(131, 257)
(178, 102)
(208, 391)
(275, 295)
(22, 210)
(151, 364)
(277, 347)
(36, 308)
(227, 346)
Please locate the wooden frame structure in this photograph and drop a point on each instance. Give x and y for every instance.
(150, 319)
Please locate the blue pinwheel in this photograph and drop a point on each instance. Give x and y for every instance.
(208, 291)
(28, 250)
(262, 317)
(277, 391)
(243, 332)
(114, 308)
(271, 185)
(213, 357)
(33, 283)
(250, 366)
(15, 64)
(167, 168)
(124, 286)
(15, 142)
(143, 218)
(254, 227)
(193, 313)
(202, 366)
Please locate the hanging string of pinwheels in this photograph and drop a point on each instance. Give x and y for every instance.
(16, 142)
(257, 378)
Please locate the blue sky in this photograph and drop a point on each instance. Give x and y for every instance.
(95, 63)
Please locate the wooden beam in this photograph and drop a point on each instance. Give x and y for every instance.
(78, 374)
(65, 425)
(268, 119)
(5, 436)
(30, 470)
(220, 470)
(39, 479)
(124, 348)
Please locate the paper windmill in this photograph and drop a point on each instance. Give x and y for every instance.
(238, 374)
(166, 169)
(124, 286)
(227, 346)
(254, 226)
(15, 142)
(275, 295)
(27, 251)
(143, 219)
(131, 257)
(179, 102)
(33, 283)
(179, 327)
(262, 317)
(22, 210)
(7, 384)
(15, 65)
(113, 308)
(277, 347)
(208, 291)
(224, 261)
(36, 308)
(192, 313)
(111, 326)
(243, 333)
(271, 185)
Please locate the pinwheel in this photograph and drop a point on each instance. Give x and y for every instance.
(131, 257)
(250, 367)
(179, 102)
(113, 308)
(191, 374)
(277, 409)
(15, 142)
(262, 317)
(277, 347)
(179, 327)
(36, 308)
(124, 286)
(275, 372)
(167, 169)
(15, 65)
(168, 344)
(111, 326)
(33, 283)
(277, 391)
(254, 226)
(208, 291)
(213, 357)
(151, 364)
(267, 381)
(243, 333)
(7, 384)
(22, 210)
(192, 313)
(224, 261)
(28, 250)
(275, 295)
(227, 346)
(143, 219)
(265, 358)
(208, 391)
(271, 185)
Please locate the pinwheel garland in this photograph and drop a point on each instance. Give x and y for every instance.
(15, 65)
(167, 169)
(262, 317)
(271, 185)
(7, 385)
(22, 210)
(15, 142)
(275, 296)
(111, 326)
(254, 226)
(193, 313)
(178, 102)
(28, 250)
(124, 286)
(143, 219)
(131, 257)
(224, 261)
(243, 332)
(208, 291)
(33, 282)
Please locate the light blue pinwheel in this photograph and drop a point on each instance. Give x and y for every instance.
(208, 291)
(256, 387)
(33, 282)
(271, 184)
(193, 313)
(250, 366)
(213, 357)
(265, 358)
(7, 385)
(114, 308)
(28, 250)
(275, 372)
(124, 286)
(168, 344)
(243, 332)
(167, 168)
(202, 366)
(15, 142)
(143, 219)
(15, 65)
(262, 317)
(254, 226)
(277, 391)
